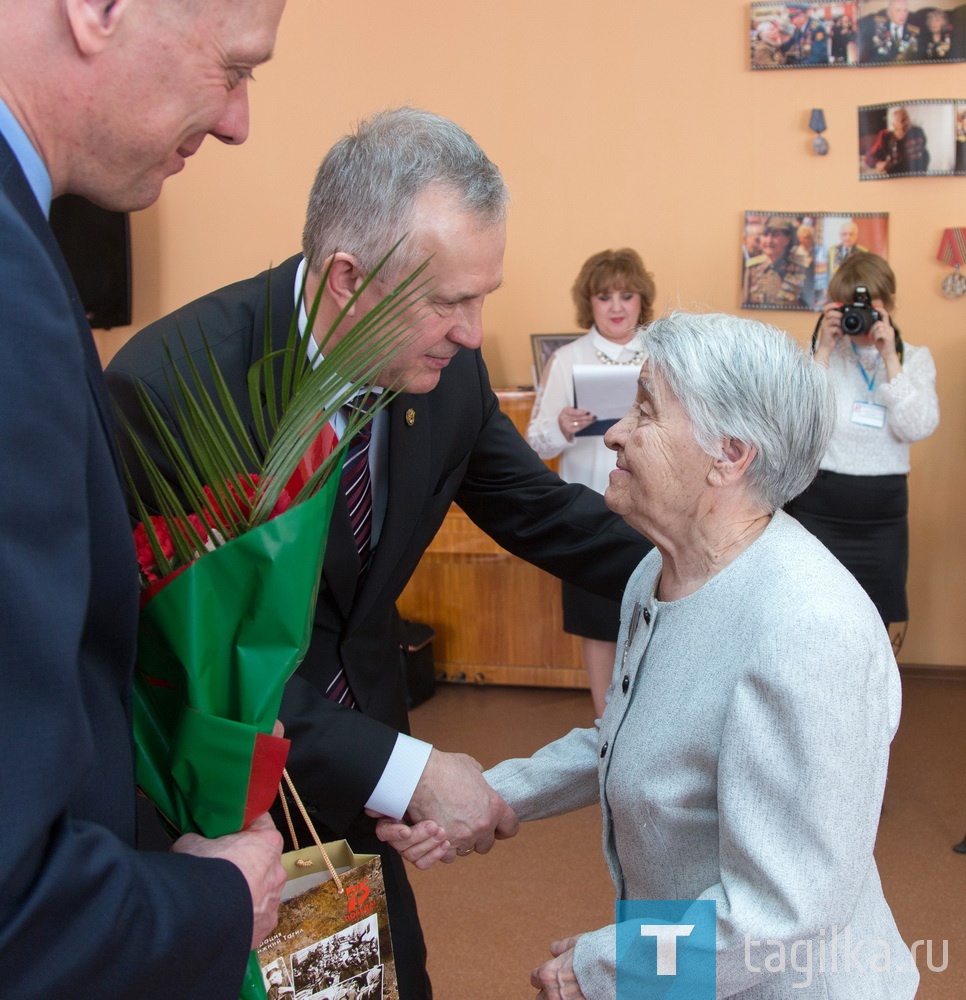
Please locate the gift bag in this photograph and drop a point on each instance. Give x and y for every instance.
(332, 941)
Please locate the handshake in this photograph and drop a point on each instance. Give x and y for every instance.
(452, 813)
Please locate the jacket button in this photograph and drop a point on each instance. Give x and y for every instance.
(603, 750)
(625, 684)
(647, 616)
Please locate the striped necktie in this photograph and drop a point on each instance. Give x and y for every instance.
(357, 486)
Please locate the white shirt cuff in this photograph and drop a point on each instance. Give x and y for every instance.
(391, 797)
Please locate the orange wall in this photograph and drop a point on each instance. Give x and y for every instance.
(615, 123)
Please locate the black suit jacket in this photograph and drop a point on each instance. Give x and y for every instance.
(81, 912)
(457, 446)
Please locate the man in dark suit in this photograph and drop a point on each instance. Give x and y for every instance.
(848, 245)
(887, 36)
(443, 439)
(103, 98)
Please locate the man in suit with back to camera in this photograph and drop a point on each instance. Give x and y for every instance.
(404, 173)
(104, 99)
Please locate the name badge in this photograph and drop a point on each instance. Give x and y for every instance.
(868, 414)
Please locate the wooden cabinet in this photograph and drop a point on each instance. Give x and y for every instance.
(497, 618)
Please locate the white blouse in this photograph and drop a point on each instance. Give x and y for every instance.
(910, 410)
(585, 460)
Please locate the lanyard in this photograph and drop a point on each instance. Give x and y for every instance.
(870, 382)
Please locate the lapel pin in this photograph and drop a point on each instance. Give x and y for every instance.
(410, 416)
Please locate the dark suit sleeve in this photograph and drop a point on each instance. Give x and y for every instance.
(81, 912)
(477, 457)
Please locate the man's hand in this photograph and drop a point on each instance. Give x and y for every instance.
(257, 852)
(452, 793)
(556, 979)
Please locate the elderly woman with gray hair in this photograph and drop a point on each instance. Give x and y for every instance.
(742, 756)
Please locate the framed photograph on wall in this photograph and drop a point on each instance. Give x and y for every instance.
(803, 36)
(900, 32)
(912, 139)
(544, 344)
(857, 33)
(789, 257)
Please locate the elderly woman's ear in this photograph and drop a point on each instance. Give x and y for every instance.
(733, 462)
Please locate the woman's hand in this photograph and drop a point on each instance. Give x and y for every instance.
(883, 335)
(422, 844)
(830, 332)
(556, 979)
(572, 420)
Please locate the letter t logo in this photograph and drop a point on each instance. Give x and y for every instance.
(667, 949)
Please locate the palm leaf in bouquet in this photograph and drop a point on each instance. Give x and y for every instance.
(233, 555)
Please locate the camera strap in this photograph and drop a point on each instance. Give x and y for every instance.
(818, 326)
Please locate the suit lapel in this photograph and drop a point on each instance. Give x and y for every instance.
(22, 197)
(341, 566)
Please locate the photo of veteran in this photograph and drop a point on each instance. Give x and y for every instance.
(742, 755)
(766, 45)
(808, 43)
(936, 42)
(848, 244)
(887, 36)
(899, 149)
(444, 439)
(778, 276)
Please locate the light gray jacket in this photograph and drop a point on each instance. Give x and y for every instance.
(744, 763)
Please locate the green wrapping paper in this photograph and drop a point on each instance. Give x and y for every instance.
(216, 644)
(230, 621)
(215, 648)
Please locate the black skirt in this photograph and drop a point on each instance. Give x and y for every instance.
(863, 521)
(590, 615)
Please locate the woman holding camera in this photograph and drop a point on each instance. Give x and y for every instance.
(885, 399)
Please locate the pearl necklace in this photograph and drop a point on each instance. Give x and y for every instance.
(637, 359)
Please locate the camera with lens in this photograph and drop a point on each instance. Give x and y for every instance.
(859, 316)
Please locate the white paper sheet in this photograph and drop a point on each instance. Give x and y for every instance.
(607, 391)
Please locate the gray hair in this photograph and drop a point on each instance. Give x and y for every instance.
(743, 379)
(366, 188)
